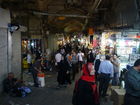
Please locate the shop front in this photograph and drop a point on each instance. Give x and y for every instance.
(32, 45)
(126, 48)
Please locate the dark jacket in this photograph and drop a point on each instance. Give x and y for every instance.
(9, 85)
(97, 65)
(83, 94)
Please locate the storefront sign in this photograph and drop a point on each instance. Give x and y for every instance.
(138, 36)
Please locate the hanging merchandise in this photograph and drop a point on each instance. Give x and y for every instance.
(95, 41)
(108, 43)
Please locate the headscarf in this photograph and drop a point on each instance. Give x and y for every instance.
(86, 73)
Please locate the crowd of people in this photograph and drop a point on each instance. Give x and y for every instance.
(93, 67)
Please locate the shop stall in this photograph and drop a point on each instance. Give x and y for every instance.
(32, 45)
(108, 43)
(126, 48)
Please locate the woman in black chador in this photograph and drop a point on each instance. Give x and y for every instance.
(85, 92)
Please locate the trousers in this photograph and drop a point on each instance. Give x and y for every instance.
(104, 80)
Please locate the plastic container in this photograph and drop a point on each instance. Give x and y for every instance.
(41, 79)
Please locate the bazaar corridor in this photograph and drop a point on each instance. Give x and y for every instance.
(69, 52)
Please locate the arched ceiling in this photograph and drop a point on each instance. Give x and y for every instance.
(61, 7)
(68, 24)
(59, 13)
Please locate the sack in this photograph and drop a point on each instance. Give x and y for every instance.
(23, 91)
(26, 89)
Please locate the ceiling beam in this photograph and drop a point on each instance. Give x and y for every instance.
(65, 15)
(93, 8)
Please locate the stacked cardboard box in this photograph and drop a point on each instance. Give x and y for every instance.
(118, 96)
(112, 92)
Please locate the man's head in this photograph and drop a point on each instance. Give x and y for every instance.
(79, 51)
(115, 56)
(42, 58)
(38, 58)
(29, 52)
(10, 75)
(137, 65)
(108, 57)
(58, 51)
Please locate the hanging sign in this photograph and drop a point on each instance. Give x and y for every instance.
(90, 31)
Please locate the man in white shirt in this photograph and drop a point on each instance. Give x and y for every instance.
(106, 72)
(116, 65)
(29, 61)
(80, 56)
(58, 57)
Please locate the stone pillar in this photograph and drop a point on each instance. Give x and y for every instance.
(16, 53)
(3, 54)
(4, 45)
(52, 43)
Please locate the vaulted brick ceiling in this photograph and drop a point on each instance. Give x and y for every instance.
(99, 11)
(64, 7)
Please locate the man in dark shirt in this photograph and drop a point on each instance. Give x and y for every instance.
(132, 85)
(35, 69)
(11, 85)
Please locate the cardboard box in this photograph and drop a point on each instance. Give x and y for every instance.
(112, 92)
(118, 96)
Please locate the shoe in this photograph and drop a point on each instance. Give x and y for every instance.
(29, 73)
(36, 85)
(64, 85)
(50, 69)
(59, 86)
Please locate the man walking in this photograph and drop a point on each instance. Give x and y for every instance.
(105, 74)
(58, 58)
(80, 56)
(132, 85)
(29, 61)
(60, 62)
(116, 65)
(74, 65)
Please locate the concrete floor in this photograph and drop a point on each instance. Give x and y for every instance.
(48, 95)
